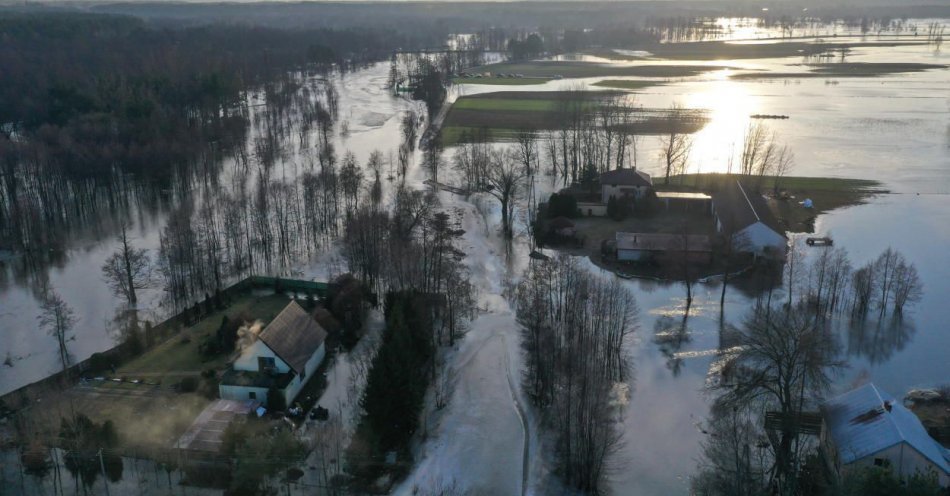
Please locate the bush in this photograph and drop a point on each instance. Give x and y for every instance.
(564, 205)
(188, 385)
(99, 362)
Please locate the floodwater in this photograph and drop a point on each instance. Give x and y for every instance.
(894, 129)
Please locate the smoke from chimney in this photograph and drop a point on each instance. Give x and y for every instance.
(247, 334)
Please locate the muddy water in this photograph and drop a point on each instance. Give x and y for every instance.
(895, 129)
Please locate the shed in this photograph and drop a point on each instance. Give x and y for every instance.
(867, 427)
(642, 247)
(746, 217)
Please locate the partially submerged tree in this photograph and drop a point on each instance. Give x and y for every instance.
(574, 330)
(58, 319)
(128, 269)
(505, 178)
(784, 361)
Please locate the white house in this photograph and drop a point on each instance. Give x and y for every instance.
(747, 217)
(624, 182)
(866, 427)
(285, 355)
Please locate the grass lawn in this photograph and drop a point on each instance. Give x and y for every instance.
(573, 69)
(179, 355)
(502, 114)
(148, 416)
(826, 193)
(526, 104)
(626, 84)
(502, 81)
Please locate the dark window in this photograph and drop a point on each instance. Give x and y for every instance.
(882, 462)
(252, 395)
(265, 363)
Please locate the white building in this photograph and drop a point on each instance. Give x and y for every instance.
(624, 182)
(866, 427)
(285, 355)
(747, 217)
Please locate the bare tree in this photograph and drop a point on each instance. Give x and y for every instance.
(58, 319)
(505, 179)
(675, 149)
(128, 269)
(785, 360)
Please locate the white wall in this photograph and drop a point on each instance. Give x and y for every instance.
(592, 209)
(905, 460)
(632, 255)
(240, 393)
(758, 237)
(290, 393)
(248, 359)
(607, 190)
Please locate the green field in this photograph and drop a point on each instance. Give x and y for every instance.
(509, 104)
(501, 81)
(571, 69)
(180, 356)
(626, 84)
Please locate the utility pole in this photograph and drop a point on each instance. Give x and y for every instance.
(102, 467)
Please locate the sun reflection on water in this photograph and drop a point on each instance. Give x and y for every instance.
(716, 148)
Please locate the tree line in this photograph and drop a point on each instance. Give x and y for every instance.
(574, 328)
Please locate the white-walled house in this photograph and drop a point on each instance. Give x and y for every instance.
(624, 182)
(285, 355)
(866, 427)
(746, 216)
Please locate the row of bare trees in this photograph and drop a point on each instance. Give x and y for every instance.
(575, 326)
(600, 134)
(829, 284)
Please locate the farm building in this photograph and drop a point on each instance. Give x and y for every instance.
(675, 201)
(749, 220)
(624, 182)
(866, 427)
(643, 247)
(284, 356)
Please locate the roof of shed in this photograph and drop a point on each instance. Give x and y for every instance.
(867, 420)
(662, 242)
(626, 177)
(738, 208)
(294, 336)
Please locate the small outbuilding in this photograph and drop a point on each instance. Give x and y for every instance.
(867, 427)
(645, 247)
(746, 217)
(284, 356)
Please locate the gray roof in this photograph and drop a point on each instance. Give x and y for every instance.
(867, 420)
(662, 242)
(294, 336)
(626, 177)
(738, 207)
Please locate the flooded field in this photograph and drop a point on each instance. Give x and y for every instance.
(892, 128)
